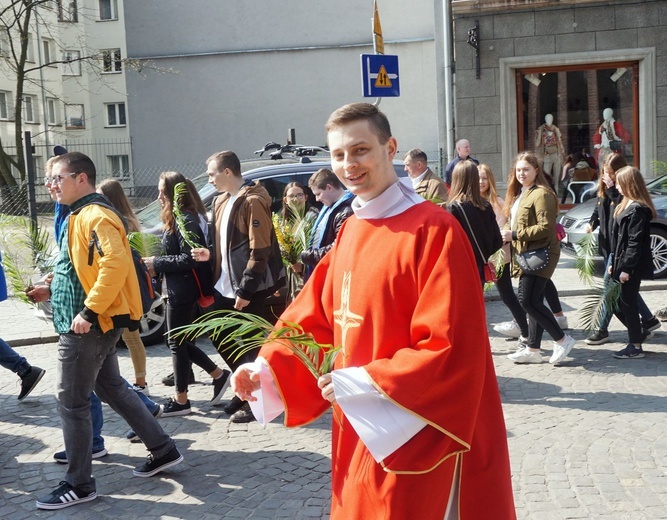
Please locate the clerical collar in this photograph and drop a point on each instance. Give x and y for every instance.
(393, 201)
(418, 179)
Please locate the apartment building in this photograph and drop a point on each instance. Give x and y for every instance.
(75, 90)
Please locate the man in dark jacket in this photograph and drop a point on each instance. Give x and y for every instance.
(247, 267)
(337, 203)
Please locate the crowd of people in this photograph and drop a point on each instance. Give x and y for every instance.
(419, 242)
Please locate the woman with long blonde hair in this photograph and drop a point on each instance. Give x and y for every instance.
(631, 258)
(531, 208)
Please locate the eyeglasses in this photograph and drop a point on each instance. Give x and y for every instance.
(58, 179)
(297, 196)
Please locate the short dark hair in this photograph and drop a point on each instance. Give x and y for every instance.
(417, 155)
(322, 177)
(77, 162)
(357, 112)
(226, 159)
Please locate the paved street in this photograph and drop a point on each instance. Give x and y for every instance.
(587, 440)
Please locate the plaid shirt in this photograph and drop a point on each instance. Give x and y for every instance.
(67, 294)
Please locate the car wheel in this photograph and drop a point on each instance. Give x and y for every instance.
(659, 249)
(154, 323)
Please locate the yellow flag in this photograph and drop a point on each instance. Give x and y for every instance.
(378, 41)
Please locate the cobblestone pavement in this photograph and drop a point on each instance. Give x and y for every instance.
(587, 440)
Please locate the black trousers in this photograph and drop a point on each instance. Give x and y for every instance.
(507, 295)
(628, 312)
(540, 318)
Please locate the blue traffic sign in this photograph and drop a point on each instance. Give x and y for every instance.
(379, 75)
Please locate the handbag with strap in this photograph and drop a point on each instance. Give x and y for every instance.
(490, 274)
(533, 261)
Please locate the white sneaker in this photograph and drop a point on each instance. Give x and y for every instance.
(508, 328)
(561, 351)
(526, 356)
(562, 321)
(142, 389)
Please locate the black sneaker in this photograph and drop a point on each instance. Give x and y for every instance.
(233, 406)
(652, 324)
(61, 456)
(65, 496)
(244, 415)
(662, 314)
(169, 380)
(220, 385)
(132, 435)
(629, 352)
(646, 334)
(600, 337)
(174, 408)
(30, 380)
(154, 466)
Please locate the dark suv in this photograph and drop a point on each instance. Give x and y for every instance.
(274, 177)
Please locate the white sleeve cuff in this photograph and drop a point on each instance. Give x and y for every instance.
(381, 425)
(269, 405)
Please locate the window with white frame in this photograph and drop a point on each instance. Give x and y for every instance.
(108, 10)
(74, 117)
(116, 114)
(72, 63)
(111, 61)
(4, 43)
(30, 114)
(30, 50)
(48, 52)
(5, 99)
(68, 11)
(119, 166)
(52, 111)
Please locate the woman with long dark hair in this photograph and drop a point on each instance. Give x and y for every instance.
(631, 259)
(531, 207)
(185, 279)
(474, 213)
(297, 202)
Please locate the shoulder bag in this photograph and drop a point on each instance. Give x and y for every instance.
(533, 261)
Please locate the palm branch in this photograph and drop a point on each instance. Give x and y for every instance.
(585, 250)
(180, 190)
(16, 277)
(499, 263)
(145, 244)
(603, 300)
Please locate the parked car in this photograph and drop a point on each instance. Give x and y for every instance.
(575, 220)
(273, 177)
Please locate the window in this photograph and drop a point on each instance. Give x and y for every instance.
(4, 43)
(4, 104)
(111, 61)
(108, 10)
(116, 114)
(68, 11)
(48, 53)
(120, 166)
(52, 112)
(30, 54)
(30, 109)
(72, 65)
(74, 117)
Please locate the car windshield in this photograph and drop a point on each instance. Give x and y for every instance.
(658, 186)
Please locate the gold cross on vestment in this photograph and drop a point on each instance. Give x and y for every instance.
(343, 316)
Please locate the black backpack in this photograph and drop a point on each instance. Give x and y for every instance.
(146, 289)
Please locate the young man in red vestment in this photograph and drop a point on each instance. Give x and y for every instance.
(422, 434)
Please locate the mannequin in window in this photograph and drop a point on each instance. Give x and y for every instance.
(610, 137)
(549, 146)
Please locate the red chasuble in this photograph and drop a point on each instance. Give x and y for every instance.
(402, 295)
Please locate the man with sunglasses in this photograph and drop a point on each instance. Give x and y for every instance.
(95, 295)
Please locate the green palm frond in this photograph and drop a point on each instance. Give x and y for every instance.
(586, 250)
(180, 190)
(499, 264)
(604, 299)
(16, 277)
(247, 332)
(659, 167)
(145, 244)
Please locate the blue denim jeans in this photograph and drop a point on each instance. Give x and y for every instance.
(11, 360)
(88, 362)
(97, 415)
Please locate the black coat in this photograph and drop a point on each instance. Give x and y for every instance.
(178, 267)
(311, 256)
(631, 242)
(603, 217)
(484, 227)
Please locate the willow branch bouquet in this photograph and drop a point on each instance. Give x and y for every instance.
(245, 332)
